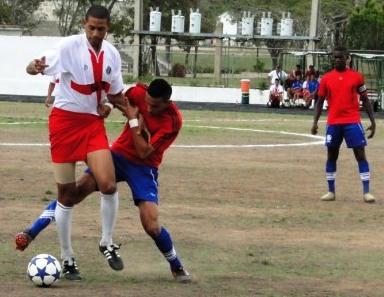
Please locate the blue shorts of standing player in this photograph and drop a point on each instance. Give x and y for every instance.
(352, 133)
(142, 180)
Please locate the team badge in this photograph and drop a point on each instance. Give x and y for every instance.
(85, 67)
(329, 138)
(108, 70)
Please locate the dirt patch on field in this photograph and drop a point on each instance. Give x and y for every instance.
(246, 222)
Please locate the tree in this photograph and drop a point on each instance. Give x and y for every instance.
(71, 12)
(20, 13)
(365, 27)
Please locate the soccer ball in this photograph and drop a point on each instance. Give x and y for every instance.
(43, 270)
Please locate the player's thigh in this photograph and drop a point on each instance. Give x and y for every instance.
(334, 136)
(101, 165)
(64, 173)
(354, 136)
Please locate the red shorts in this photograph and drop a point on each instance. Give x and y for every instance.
(73, 135)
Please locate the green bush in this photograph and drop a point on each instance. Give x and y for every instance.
(259, 66)
(178, 70)
(263, 85)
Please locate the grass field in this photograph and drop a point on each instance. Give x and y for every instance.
(246, 221)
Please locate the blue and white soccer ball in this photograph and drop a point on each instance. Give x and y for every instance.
(43, 270)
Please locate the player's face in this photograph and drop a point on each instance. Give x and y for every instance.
(155, 105)
(340, 60)
(96, 30)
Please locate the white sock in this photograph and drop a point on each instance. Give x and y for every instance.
(109, 209)
(63, 217)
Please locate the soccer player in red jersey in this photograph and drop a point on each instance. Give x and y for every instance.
(137, 154)
(343, 87)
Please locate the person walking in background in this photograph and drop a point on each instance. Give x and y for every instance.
(90, 69)
(51, 88)
(342, 87)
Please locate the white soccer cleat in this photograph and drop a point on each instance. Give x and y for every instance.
(330, 196)
(369, 198)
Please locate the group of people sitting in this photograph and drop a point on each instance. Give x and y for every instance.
(299, 92)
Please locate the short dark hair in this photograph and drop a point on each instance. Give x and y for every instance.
(342, 49)
(99, 12)
(160, 88)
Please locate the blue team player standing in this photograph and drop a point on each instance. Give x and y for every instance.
(341, 87)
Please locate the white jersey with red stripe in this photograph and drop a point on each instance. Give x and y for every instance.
(85, 78)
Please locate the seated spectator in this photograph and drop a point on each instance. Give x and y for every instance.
(305, 87)
(276, 93)
(297, 89)
(297, 71)
(288, 85)
(278, 74)
(312, 87)
(311, 70)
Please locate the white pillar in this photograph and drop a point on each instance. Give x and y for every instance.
(138, 26)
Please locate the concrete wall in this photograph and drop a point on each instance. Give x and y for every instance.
(17, 51)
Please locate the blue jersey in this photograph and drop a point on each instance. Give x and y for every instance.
(313, 85)
(297, 85)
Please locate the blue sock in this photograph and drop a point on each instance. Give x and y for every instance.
(330, 170)
(365, 174)
(164, 244)
(46, 217)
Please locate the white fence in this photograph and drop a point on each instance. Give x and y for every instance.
(17, 51)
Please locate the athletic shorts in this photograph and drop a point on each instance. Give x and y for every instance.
(141, 179)
(352, 133)
(73, 135)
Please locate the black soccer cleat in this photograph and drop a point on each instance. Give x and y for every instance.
(70, 271)
(112, 256)
(181, 275)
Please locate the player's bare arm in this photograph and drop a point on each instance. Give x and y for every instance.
(368, 108)
(105, 109)
(117, 99)
(142, 145)
(36, 66)
(318, 110)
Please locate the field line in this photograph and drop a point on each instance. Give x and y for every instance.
(317, 140)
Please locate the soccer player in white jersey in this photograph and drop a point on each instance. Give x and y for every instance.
(90, 69)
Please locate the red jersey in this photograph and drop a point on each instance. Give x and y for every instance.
(163, 128)
(341, 89)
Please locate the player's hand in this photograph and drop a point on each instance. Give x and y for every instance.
(103, 110)
(371, 128)
(48, 101)
(314, 129)
(37, 66)
(130, 111)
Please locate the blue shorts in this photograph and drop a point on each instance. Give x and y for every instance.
(141, 179)
(352, 133)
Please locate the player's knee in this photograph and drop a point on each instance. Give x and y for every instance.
(108, 188)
